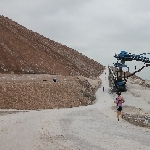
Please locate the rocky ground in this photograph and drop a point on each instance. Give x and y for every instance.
(35, 92)
(2, 113)
(138, 119)
(32, 92)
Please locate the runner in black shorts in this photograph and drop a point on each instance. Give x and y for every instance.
(119, 109)
(119, 101)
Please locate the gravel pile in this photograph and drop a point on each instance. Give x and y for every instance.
(138, 120)
(43, 93)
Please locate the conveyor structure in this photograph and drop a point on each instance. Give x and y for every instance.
(117, 77)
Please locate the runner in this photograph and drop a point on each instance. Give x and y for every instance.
(119, 101)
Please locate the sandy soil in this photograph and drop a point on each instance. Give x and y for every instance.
(92, 127)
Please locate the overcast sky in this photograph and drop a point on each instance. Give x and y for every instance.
(95, 28)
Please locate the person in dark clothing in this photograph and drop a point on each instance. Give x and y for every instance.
(54, 79)
(103, 88)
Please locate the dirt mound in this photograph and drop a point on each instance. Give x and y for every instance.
(28, 63)
(32, 92)
(24, 51)
(136, 116)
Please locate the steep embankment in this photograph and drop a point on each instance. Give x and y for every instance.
(25, 51)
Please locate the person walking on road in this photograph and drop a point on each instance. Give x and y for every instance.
(119, 101)
(103, 88)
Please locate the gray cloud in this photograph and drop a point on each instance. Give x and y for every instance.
(96, 28)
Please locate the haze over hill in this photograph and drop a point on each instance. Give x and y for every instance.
(25, 51)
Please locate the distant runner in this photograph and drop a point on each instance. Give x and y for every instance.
(119, 101)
